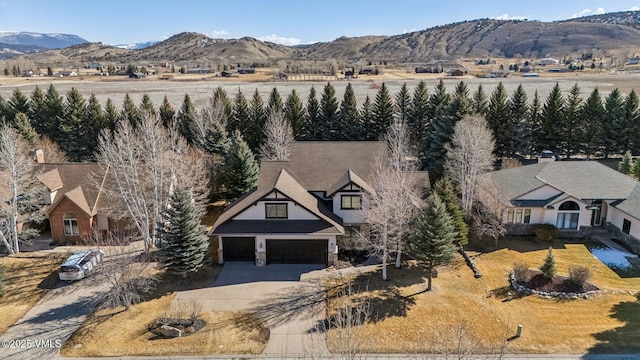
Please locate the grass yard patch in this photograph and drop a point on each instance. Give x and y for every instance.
(467, 315)
(27, 278)
(125, 333)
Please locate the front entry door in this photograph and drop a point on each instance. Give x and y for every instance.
(596, 213)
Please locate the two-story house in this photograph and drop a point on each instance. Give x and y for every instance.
(304, 209)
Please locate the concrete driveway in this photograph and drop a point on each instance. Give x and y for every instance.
(288, 297)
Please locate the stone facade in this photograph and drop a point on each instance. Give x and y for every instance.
(261, 258)
(630, 241)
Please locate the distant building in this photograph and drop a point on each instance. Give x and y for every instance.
(66, 73)
(246, 71)
(166, 77)
(530, 74)
(198, 71)
(456, 72)
(498, 74)
(548, 61)
(137, 75)
(634, 61)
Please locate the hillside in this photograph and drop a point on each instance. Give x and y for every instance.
(629, 18)
(46, 41)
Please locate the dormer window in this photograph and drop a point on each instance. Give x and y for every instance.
(276, 211)
(351, 202)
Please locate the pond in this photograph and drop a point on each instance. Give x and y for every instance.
(621, 261)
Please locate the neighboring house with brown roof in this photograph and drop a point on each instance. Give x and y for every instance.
(575, 196)
(77, 198)
(303, 210)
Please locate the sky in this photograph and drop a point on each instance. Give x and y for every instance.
(288, 22)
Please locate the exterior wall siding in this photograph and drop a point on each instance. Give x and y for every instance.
(348, 216)
(257, 212)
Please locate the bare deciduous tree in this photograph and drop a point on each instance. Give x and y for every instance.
(51, 150)
(278, 137)
(488, 212)
(21, 195)
(145, 164)
(469, 154)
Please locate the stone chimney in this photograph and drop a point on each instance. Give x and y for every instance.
(39, 156)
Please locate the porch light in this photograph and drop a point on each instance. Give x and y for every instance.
(592, 207)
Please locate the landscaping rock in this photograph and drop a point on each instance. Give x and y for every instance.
(170, 331)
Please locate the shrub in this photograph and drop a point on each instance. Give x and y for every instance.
(548, 268)
(1, 281)
(520, 271)
(545, 232)
(579, 274)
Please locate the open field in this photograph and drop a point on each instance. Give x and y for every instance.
(28, 276)
(475, 312)
(200, 90)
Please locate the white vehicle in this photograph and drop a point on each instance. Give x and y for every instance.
(79, 264)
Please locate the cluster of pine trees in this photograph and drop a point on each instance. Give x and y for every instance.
(567, 125)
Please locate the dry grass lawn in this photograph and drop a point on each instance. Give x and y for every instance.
(124, 333)
(28, 276)
(475, 314)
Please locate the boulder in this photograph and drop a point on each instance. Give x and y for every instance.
(170, 331)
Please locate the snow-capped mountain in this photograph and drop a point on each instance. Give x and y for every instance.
(47, 41)
(136, 46)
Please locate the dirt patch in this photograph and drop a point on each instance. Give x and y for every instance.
(537, 281)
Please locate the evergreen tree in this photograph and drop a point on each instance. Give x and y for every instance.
(438, 133)
(184, 240)
(551, 119)
(366, 116)
(418, 119)
(537, 136)
(572, 130)
(460, 104)
(432, 241)
(480, 105)
(312, 128)
(239, 119)
(215, 141)
(635, 169)
(23, 125)
(74, 128)
(625, 164)
(403, 103)
(111, 115)
(275, 102)
(438, 101)
(612, 121)
(186, 119)
(241, 168)
(446, 191)
(500, 122)
(350, 126)
(221, 98)
(328, 119)
(146, 105)
(96, 122)
(4, 108)
(38, 110)
(521, 118)
(592, 113)
(254, 134)
(548, 268)
(18, 103)
(130, 111)
(167, 113)
(294, 114)
(383, 111)
(630, 136)
(54, 107)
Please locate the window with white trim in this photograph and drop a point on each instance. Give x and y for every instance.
(70, 222)
(568, 215)
(519, 216)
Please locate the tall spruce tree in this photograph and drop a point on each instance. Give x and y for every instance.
(403, 103)
(500, 122)
(328, 119)
(294, 113)
(18, 103)
(433, 238)
(111, 115)
(592, 113)
(447, 193)
(366, 114)
(22, 124)
(383, 111)
(240, 116)
(275, 102)
(96, 122)
(38, 110)
(146, 105)
(551, 119)
(53, 105)
(311, 128)
(438, 133)
(130, 111)
(624, 166)
(241, 168)
(254, 135)
(519, 113)
(460, 104)
(74, 128)
(572, 129)
(480, 105)
(538, 138)
(631, 124)
(612, 121)
(186, 119)
(350, 126)
(167, 113)
(418, 119)
(4, 108)
(220, 98)
(184, 240)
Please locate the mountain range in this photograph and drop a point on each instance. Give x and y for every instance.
(612, 34)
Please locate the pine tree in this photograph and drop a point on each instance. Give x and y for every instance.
(328, 119)
(460, 104)
(23, 125)
(96, 122)
(74, 129)
(295, 114)
(438, 133)
(186, 119)
(500, 121)
(312, 128)
(631, 124)
(418, 119)
(538, 138)
(592, 113)
(433, 238)
(551, 118)
(548, 268)
(625, 164)
(130, 111)
(480, 104)
(275, 102)
(445, 190)
(519, 110)
(572, 130)
(215, 141)
(167, 113)
(111, 115)
(221, 98)
(383, 111)
(438, 101)
(612, 121)
(350, 126)
(366, 114)
(241, 168)
(53, 112)
(146, 105)
(239, 119)
(635, 169)
(403, 103)
(184, 239)
(254, 134)
(18, 103)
